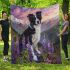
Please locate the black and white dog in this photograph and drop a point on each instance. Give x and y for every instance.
(32, 34)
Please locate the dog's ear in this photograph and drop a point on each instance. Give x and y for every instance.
(38, 15)
(38, 12)
(31, 17)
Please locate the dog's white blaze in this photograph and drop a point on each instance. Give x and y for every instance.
(36, 37)
(38, 33)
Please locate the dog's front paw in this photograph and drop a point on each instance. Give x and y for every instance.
(35, 58)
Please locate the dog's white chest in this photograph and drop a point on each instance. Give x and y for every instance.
(38, 28)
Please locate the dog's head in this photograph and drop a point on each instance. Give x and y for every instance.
(38, 17)
(32, 19)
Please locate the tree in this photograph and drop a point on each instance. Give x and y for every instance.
(65, 6)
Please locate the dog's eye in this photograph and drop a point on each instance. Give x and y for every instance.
(38, 22)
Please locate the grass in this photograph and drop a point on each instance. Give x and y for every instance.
(33, 66)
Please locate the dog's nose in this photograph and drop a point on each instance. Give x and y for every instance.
(38, 22)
